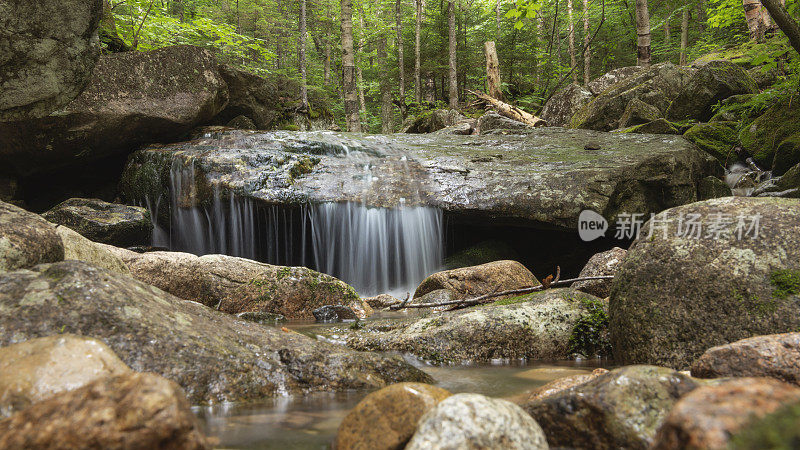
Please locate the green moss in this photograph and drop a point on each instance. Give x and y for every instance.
(778, 430)
(786, 283)
(590, 334)
(283, 272)
(764, 135)
(303, 166)
(716, 138)
(514, 300)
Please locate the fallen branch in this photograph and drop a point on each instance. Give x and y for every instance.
(482, 299)
(509, 111)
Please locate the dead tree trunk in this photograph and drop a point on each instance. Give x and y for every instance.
(492, 71)
(506, 110)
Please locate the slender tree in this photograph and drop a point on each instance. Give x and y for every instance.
(642, 33)
(302, 53)
(684, 35)
(587, 52)
(359, 70)
(573, 62)
(385, 87)
(398, 11)
(785, 21)
(420, 5)
(755, 19)
(452, 49)
(349, 68)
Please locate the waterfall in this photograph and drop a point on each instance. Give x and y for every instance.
(376, 250)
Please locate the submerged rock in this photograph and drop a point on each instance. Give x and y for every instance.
(728, 273)
(558, 111)
(712, 83)
(107, 223)
(386, 419)
(37, 369)
(473, 281)
(138, 410)
(707, 417)
(334, 313)
(537, 326)
(212, 355)
(26, 239)
(620, 409)
(475, 421)
(49, 50)
(604, 263)
(776, 356)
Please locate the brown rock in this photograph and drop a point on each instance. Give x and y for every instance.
(708, 416)
(135, 411)
(604, 263)
(556, 386)
(37, 369)
(774, 355)
(381, 301)
(26, 239)
(387, 419)
(79, 248)
(478, 280)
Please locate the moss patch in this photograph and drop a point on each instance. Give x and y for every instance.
(715, 138)
(590, 334)
(777, 430)
(786, 283)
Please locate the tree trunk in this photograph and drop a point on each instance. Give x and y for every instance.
(326, 65)
(386, 92)
(510, 111)
(667, 35)
(684, 35)
(497, 21)
(587, 53)
(573, 62)
(417, 31)
(359, 72)
(786, 23)
(642, 33)
(755, 20)
(539, 34)
(349, 68)
(492, 71)
(302, 52)
(452, 48)
(400, 62)
(278, 39)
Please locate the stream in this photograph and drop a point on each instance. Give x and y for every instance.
(311, 421)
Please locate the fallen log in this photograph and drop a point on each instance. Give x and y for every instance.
(509, 111)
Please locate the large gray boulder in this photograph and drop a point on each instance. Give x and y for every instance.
(677, 293)
(612, 77)
(48, 49)
(107, 223)
(26, 239)
(558, 111)
(133, 98)
(212, 355)
(434, 120)
(712, 83)
(256, 98)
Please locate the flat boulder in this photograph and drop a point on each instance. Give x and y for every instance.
(139, 410)
(26, 239)
(133, 98)
(237, 285)
(473, 281)
(213, 356)
(79, 248)
(476, 421)
(107, 223)
(601, 264)
(558, 111)
(775, 356)
(49, 48)
(707, 417)
(37, 369)
(620, 409)
(711, 273)
(386, 419)
(711, 83)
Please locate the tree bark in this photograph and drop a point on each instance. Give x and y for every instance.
(492, 71)
(359, 71)
(587, 53)
(573, 62)
(302, 51)
(539, 34)
(642, 33)
(510, 111)
(684, 35)
(398, 10)
(755, 19)
(785, 21)
(497, 21)
(386, 92)
(417, 31)
(452, 49)
(349, 68)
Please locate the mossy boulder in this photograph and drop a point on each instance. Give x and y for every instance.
(777, 430)
(612, 77)
(735, 109)
(787, 155)
(49, 49)
(26, 239)
(712, 187)
(558, 111)
(109, 36)
(658, 126)
(712, 83)
(716, 138)
(433, 120)
(638, 113)
(778, 123)
(262, 100)
(678, 292)
(214, 356)
(107, 223)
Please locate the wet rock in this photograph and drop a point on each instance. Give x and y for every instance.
(434, 120)
(536, 326)
(79, 248)
(133, 98)
(656, 86)
(638, 113)
(462, 128)
(386, 419)
(476, 421)
(212, 355)
(763, 136)
(612, 77)
(236, 285)
(107, 223)
(334, 313)
(493, 122)
(706, 417)
(436, 296)
(787, 155)
(252, 97)
(559, 385)
(776, 356)
(138, 410)
(558, 111)
(605, 263)
(621, 409)
(776, 430)
(241, 123)
(261, 317)
(658, 126)
(26, 239)
(683, 292)
(712, 187)
(49, 50)
(37, 369)
(712, 83)
(481, 253)
(473, 281)
(718, 139)
(381, 301)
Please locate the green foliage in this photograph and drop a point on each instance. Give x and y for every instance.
(786, 283)
(590, 334)
(777, 430)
